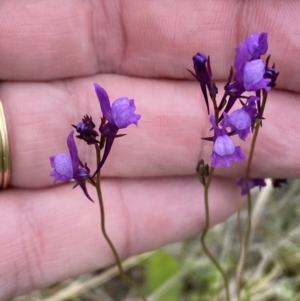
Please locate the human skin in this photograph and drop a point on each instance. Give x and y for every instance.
(50, 56)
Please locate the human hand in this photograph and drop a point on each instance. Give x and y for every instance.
(50, 56)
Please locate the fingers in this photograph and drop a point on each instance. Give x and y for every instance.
(166, 142)
(140, 39)
(52, 234)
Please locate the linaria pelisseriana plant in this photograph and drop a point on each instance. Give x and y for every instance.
(68, 167)
(249, 83)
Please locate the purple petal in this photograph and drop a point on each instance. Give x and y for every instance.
(104, 103)
(123, 112)
(254, 76)
(73, 152)
(242, 56)
(108, 129)
(252, 45)
(224, 146)
(62, 167)
(257, 45)
(240, 122)
(199, 60)
(263, 42)
(239, 119)
(253, 182)
(202, 73)
(243, 134)
(227, 160)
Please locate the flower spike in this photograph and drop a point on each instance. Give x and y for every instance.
(117, 116)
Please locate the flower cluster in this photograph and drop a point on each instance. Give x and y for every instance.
(251, 74)
(117, 116)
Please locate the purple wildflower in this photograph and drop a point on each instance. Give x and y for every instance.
(240, 121)
(123, 112)
(62, 165)
(250, 71)
(118, 116)
(251, 49)
(203, 73)
(204, 76)
(253, 76)
(253, 182)
(257, 45)
(224, 150)
(67, 167)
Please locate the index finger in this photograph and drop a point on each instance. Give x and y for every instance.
(138, 38)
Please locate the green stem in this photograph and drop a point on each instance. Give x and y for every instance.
(103, 229)
(246, 238)
(205, 230)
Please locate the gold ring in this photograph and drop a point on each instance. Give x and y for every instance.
(4, 152)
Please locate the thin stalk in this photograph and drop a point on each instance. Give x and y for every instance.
(103, 229)
(239, 225)
(205, 230)
(246, 238)
(240, 238)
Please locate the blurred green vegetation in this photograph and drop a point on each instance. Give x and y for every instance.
(159, 268)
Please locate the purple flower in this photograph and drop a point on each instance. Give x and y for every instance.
(121, 113)
(62, 165)
(224, 150)
(67, 167)
(240, 121)
(253, 76)
(257, 45)
(250, 77)
(251, 49)
(250, 71)
(203, 75)
(118, 116)
(253, 182)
